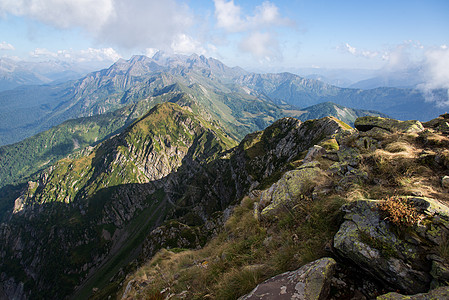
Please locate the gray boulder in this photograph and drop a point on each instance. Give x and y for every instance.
(311, 281)
(400, 257)
(286, 192)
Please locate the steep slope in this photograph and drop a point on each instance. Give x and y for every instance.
(201, 201)
(82, 213)
(85, 217)
(22, 159)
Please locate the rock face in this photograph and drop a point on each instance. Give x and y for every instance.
(311, 281)
(398, 256)
(368, 123)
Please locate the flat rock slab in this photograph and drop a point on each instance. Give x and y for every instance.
(311, 281)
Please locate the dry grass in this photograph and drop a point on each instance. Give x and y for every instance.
(245, 253)
(400, 211)
(401, 147)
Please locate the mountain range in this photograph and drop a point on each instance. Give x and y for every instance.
(125, 172)
(32, 109)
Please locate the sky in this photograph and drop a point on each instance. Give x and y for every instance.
(271, 35)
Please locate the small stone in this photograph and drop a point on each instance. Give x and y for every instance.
(445, 182)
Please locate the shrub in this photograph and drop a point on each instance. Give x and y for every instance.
(400, 211)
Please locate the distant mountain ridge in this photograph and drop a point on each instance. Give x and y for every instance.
(14, 73)
(399, 103)
(36, 109)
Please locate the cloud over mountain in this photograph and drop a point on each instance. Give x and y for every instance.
(437, 75)
(90, 54)
(6, 46)
(260, 38)
(126, 24)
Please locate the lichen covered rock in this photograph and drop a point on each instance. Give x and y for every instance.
(311, 281)
(395, 255)
(287, 190)
(437, 294)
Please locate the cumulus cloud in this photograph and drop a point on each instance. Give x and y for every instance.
(6, 46)
(259, 28)
(185, 44)
(406, 55)
(62, 14)
(146, 23)
(436, 66)
(79, 56)
(124, 23)
(262, 45)
(229, 17)
(361, 53)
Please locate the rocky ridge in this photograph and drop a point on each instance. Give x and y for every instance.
(384, 248)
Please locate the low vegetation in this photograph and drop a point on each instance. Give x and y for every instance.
(246, 252)
(400, 211)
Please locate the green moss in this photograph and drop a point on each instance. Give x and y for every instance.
(385, 248)
(330, 144)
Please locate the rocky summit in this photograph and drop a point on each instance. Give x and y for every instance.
(172, 207)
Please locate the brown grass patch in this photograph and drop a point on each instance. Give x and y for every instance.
(400, 211)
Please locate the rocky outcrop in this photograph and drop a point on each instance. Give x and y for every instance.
(368, 123)
(310, 282)
(173, 234)
(9, 289)
(436, 294)
(441, 123)
(411, 259)
(287, 191)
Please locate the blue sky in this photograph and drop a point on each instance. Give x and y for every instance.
(260, 35)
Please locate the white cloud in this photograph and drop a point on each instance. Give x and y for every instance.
(259, 28)
(185, 44)
(268, 14)
(408, 54)
(360, 53)
(124, 23)
(42, 52)
(6, 46)
(350, 49)
(262, 45)
(436, 66)
(150, 52)
(146, 23)
(63, 14)
(229, 17)
(79, 56)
